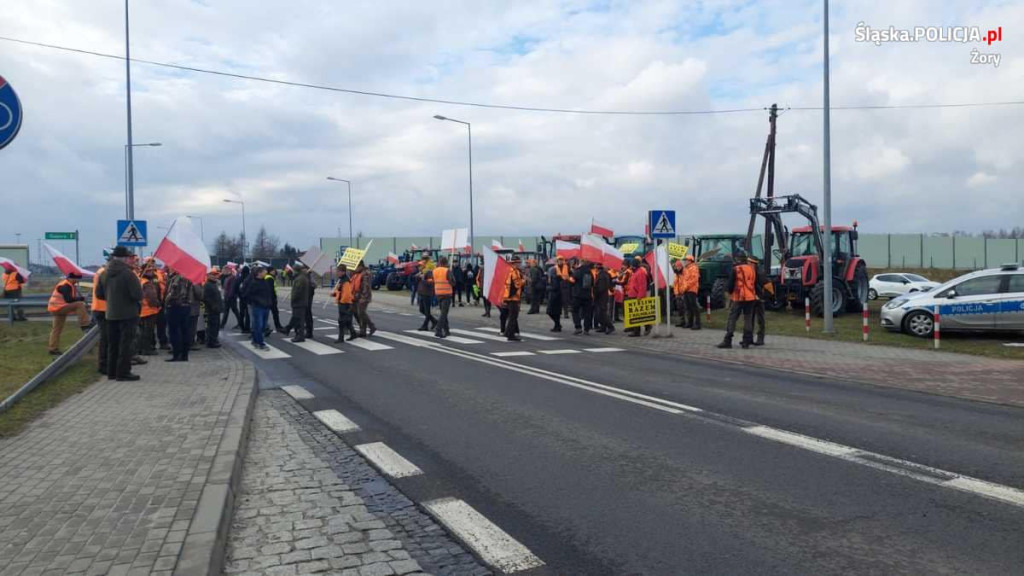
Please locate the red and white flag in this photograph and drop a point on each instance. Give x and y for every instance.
(392, 258)
(288, 268)
(567, 250)
(612, 257)
(600, 229)
(11, 265)
(183, 250)
(496, 271)
(66, 265)
(656, 260)
(521, 247)
(413, 247)
(595, 249)
(495, 245)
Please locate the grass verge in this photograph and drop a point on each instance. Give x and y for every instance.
(22, 355)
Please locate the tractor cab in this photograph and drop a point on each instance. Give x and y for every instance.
(802, 269)
(634, 245)
(714, 257)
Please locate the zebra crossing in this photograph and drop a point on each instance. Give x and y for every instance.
(325, 343)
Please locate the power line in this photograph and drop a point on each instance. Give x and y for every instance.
(496, 106)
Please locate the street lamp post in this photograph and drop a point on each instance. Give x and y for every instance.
(349, 206)
(129, 183)
(128, 101)
(230, 201)
(469, 127)
(827, 186)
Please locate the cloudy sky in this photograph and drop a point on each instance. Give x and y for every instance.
(902, 170)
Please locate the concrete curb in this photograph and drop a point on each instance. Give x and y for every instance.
(203, 551)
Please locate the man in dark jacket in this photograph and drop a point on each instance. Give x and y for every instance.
(554, 286)
(231, 281)
(602, 296)
(177, 306)
(270, 277)
(425, 290)
(257, 295)
(582, 298)
(458, 282)
(122, 291)
(535, 277)
(243, 301)
(213, 301)
(301, 293)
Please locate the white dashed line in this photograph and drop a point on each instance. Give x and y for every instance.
(367, 344)
(316, 347)
(478, 335)
(455, 339)
(389, 461)
(600, 350)
(492, 544)
(566, 351)
(508, 354)
(336, 421)
(297, 392)
(270, 353)
(523, 334)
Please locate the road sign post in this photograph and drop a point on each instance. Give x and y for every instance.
(131, 233)
(662, 224)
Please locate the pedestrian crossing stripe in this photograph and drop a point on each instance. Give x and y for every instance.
(316, 347)
(521, 334)
(455, 339)
(366, 344)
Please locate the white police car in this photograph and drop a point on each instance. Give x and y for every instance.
(987, 300)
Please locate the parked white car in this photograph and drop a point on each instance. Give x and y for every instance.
(897, 284)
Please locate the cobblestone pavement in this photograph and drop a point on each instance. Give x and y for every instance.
(959, 375)
(109, 481)
(310, 504)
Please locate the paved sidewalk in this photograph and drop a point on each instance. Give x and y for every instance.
(310, 504)
(959, 375)
(128, 477)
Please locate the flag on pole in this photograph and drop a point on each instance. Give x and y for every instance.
(392, 258)
(655, 259)
(496, 271)
(495, 245)
(66, 265)
(612, 257)
(455, 240)
(183, 250)
(600, 229)
(590, 248)
(567, 250)
(521, 247)
(11, 266)
(413, 247)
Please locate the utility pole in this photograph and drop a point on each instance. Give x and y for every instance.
(827, 187)
(128, 86)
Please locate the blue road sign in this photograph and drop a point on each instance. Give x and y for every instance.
(131, 232)
(10, 113)
(662, 223)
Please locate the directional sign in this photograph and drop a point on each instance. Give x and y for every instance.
(662, 223)
(10, 113)
(131, 232)
(60, 236)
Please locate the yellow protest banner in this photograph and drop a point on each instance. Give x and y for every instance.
(629, 248)
(353, 256)
(642, 312)
(677, 251)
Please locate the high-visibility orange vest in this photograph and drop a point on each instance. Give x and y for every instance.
(679, 284)
(513, 286)
(147, 310)
(98, 304)
(11, 282)
(57, 300)
(691, 278)
(744, 290)
(563, 271)
(441, 285)
(343, 293)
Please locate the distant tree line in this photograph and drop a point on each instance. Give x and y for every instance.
(1015, 232)
(263, 246)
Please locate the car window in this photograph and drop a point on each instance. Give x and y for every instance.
(888, 278)
(916, 278)
(1016, 283)
(979, 286)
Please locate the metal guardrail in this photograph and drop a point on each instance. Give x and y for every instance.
(60, 364)
(25, 302)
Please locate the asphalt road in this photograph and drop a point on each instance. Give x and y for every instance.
(629, 462)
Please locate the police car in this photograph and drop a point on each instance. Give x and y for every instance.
(987, 300)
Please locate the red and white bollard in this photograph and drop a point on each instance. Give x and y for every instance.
(807, 314)
(708, 300)
(865, 321)
(936, 330)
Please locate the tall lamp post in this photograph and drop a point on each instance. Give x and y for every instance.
(469, 127)
(827, 187)
(230, 201)
(349, 206)
(129, 182)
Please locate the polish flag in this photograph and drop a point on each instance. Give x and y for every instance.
(656, 259)
(495, 245)
(182, 250)
(567, 250)
(288, 268)
(612, 257)
(496, 271)
(65, 264)
(591, 249)
(521, 247)
(413, 247)
(600, 229)
(392, 258)
(11, 266)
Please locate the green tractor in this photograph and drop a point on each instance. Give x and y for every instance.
(714, 257)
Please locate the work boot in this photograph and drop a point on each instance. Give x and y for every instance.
(373, 330)
(352, 336)
(609, 330)
(727, 343)
(760, 340)
(514, 338)
(55, 352)
(423, 328)
(339, 339)
(138, 361)
(298, 338)
(129, 378)
(578, 331)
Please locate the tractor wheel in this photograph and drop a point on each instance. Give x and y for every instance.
(818, 298)
(394, 282)
(718, 293)
(919, 323)
(859, 288)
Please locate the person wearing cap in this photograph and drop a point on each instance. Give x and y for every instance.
(257, 295)
(582, 298)
(743, 292)
(511, 297)
(554, 287)
(301, 290)
(213, 301)
(343, 296)
(636, 289)
(690, 287)
(443, 282)
(177, 305)
(64, 301)
(425, 293)
(145, 344)
(13, 282)
(122, 291)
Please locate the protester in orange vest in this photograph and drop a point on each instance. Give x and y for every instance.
(443, 283)
(677, 292)
(344, 296)
(99, 316)
(13, 281)
(743, 291)
(511, 298)
(691, 285)
(765, 291)
(362, 294)
(565, 275)
(146, 342)
(64, 301)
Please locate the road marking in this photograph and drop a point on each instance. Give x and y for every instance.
(478, 335)
(270, 353)
(456, 339)
(388, 461)
(492, 544)
(523, 334)
(405, 339)
(517, 353)
(407, 314)
(297, 392)
(336, 421)
(367, 344)
(316, 347)
(566, 351)
(800, 441)
(323, 328)
(599, 350)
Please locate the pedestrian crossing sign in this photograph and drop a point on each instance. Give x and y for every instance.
(131, 232)
(662, 223)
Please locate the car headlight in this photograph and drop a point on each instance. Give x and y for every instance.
(893, 304)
